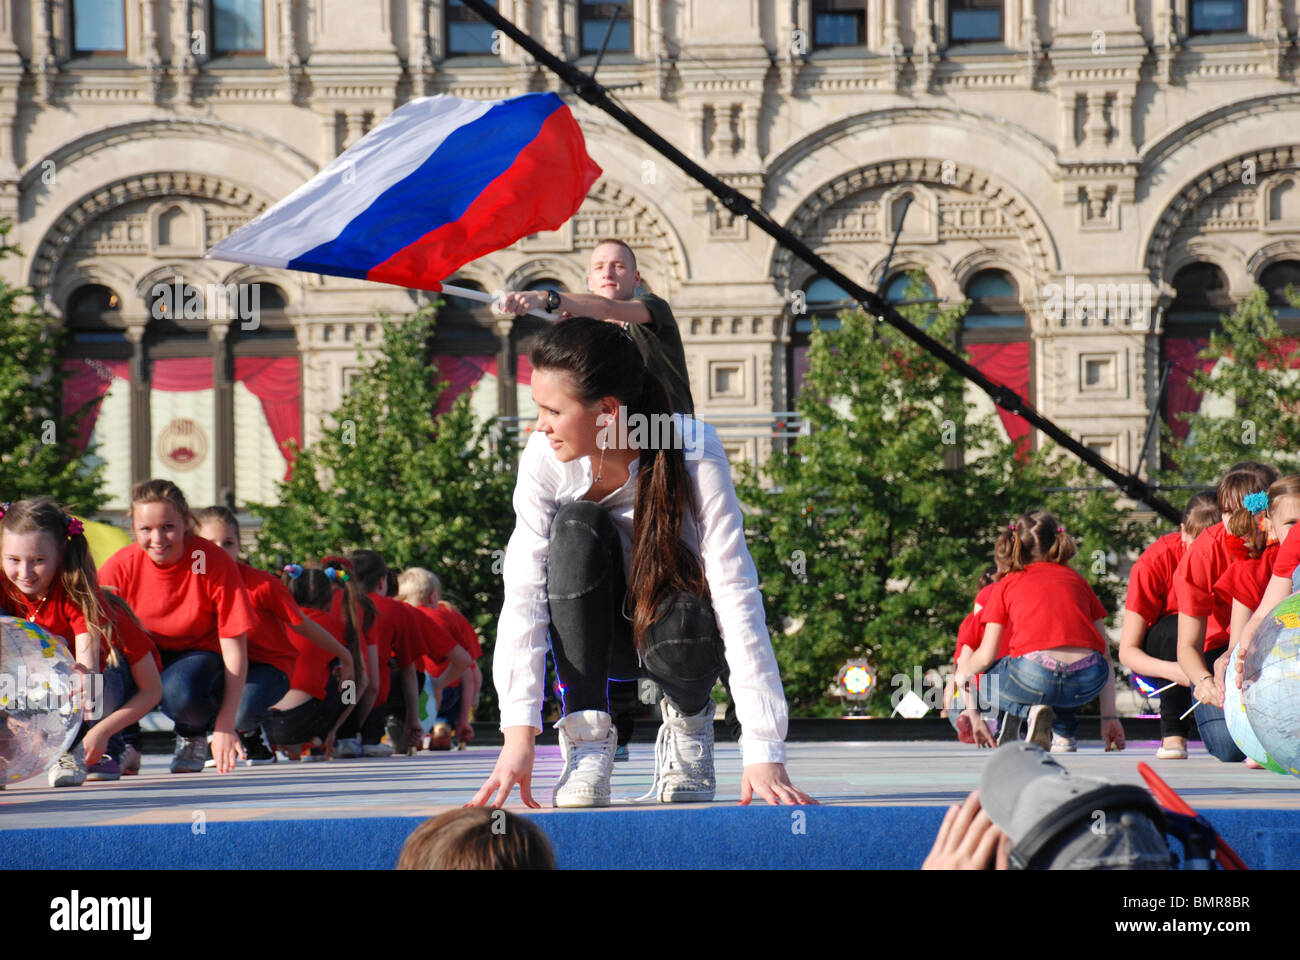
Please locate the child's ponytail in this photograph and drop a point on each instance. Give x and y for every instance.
(359, 612)
(1035, 537)
(1246, 523)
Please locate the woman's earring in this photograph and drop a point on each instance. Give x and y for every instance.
(600, 470)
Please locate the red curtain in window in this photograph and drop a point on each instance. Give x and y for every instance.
(90, 380)
(464, 373)
(1007, 364)
(1181, 355)
(277, 383)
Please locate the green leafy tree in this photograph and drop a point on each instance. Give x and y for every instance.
(388, 475)
(870, 533)
(1254, 370)
(37, 454)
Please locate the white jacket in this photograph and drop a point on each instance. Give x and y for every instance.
(544, 484)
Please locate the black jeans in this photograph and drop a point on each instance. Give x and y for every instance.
(591, 638)
(1161, 642)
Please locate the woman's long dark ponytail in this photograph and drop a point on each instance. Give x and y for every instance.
(602, 361)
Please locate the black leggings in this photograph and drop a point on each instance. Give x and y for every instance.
(591, 638)
(1161, 642)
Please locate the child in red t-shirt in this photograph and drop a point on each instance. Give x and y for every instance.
(1148, 643)
(323, 689)
(1283, 580)
(968, 641)
(1204, 616)
(49, 579)
(376, 634)
(1056, 654)
(271, 653)
(189, 595)
(450, 700)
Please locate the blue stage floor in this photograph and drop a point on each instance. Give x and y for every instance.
(882, 803)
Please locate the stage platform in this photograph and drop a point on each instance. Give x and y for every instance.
(881, 806)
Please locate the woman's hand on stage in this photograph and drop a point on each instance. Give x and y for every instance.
(771, 783)
(968, 840)
(514, 765)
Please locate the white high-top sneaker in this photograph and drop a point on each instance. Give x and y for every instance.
(684, 755)
(587, 740)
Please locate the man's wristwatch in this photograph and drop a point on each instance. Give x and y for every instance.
(552, 301)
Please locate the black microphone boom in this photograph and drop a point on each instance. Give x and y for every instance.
(740, 205)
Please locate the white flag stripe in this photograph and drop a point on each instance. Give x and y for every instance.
(318, 211)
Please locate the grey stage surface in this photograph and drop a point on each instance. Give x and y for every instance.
(854, 774)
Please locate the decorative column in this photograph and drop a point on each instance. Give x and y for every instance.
(223, 404)
(44, 64)
(141, 427)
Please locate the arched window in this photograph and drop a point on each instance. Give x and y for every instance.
(896, 289)
(94, 315)
(996, 337)
(97, 367)
(1200, 298)
(995, 302)
(1275, 279)
(823, 299)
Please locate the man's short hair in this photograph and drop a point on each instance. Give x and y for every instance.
(620, 243)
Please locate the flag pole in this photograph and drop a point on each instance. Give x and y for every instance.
(733, 200)
(481, 297)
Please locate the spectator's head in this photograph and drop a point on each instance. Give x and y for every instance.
(1033, 537)
(477, 838)
(1202, 512)
(613, 272)
(219, 525)
(160, 518)
(1241, 480)
(990, 575)
(419, 587)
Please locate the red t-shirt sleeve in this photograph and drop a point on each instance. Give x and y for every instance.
(225, 586)
(1096, 610)
(281, 604)
(995, 610)
(74, 615)
(1147, 592)
(469, 637)
(438, 640)
(1288, 557)
(1192, 583)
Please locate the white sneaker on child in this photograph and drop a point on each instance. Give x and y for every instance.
(1039, 726)
(70, 771)
(1062, 744)
(684, 755)
(346, 748)
(587, 741)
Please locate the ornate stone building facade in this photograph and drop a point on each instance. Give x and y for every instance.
(1099, 177)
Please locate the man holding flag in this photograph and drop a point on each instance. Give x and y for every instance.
(612, 278)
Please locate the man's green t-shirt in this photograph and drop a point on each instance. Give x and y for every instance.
(660, 342)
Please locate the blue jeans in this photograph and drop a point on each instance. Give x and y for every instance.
(117, 681)
(449, 706)
(1018, 684)
(194, 683)
(1214, 729)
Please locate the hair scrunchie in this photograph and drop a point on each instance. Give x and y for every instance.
(1255, 502)
(294, 570)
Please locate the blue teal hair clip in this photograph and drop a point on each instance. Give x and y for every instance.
(294, 570)
(1256, 502)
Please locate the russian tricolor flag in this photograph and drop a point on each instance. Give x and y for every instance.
(442, 181)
